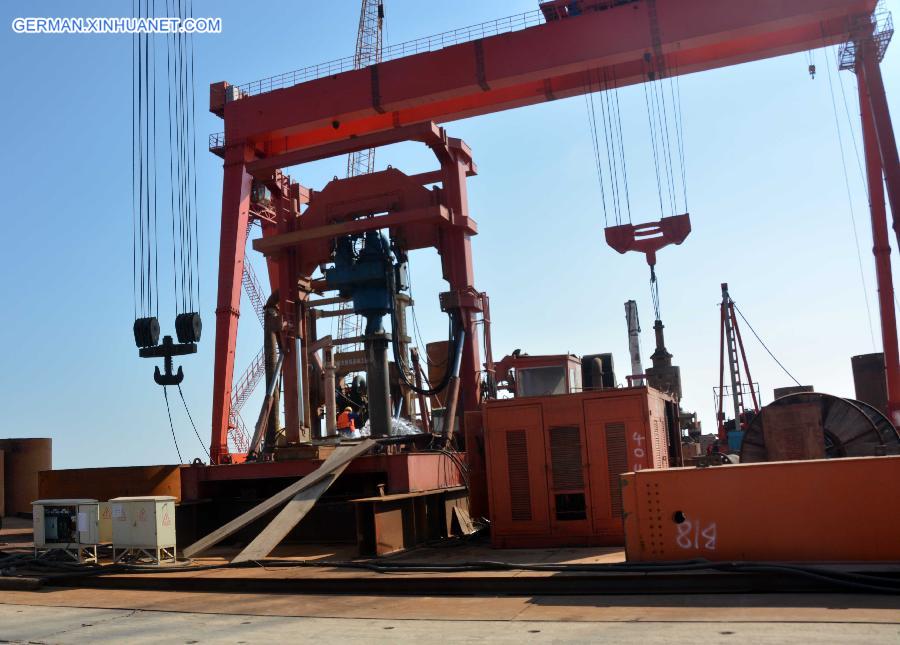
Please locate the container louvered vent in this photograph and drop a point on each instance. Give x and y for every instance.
(519, 484)
(565, 455)
(617, 463)
(657, 444)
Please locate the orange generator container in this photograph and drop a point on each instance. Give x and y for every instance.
(553, 462)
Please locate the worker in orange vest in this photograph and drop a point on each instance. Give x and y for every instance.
(345, 424)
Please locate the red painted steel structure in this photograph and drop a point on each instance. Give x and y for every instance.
(881, 154)
(629, 42)
(650, 237)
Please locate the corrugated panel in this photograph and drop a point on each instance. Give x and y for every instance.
(519, 482)
(616, 463)
(565, 458)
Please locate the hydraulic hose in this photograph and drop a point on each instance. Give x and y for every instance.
(456, 338)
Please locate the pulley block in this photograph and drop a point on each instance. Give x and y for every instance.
(146, 332)
(188, 327)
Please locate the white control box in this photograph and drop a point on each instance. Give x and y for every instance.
(71, 526)
(105, 523)
(143, 523)
(65, 523)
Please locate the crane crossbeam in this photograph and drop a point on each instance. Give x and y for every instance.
(628, 42)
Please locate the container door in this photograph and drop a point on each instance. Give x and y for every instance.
(568, 494)
(617, 443)
(516, 470)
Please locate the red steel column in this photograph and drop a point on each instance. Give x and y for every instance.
(881, 246)
(235, 210)
(881, 116)
(288, 305)
(458, 271)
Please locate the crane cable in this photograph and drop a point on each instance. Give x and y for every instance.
(171, 425)
(837, 125)
(613, 182)
(660, 111)
(182, 176)
(145, 263)
(182, 163)
(592, 122)
(765, 347)
(654, 291)
(191, 419)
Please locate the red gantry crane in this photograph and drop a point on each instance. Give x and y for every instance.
(556, 52)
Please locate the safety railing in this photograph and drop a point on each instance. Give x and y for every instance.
(216, 141)
(878, 29)
(399, 50)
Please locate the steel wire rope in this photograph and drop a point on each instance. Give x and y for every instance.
(134, 225)
(862, 275)
(592, 122)
(170, 74)
(153, 168)
(665, 138)
(650, 122)
(184, 249)
(145, 155)
(140, 161)
(186, 132)
(621, 139)
(418, 333)
(675, 92)
(609, 139)
(194, 165)
(172, 425)
(765, 347)
(191, 419)
(859, 165)
(654, 292)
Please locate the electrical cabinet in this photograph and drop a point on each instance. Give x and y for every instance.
(105, 523)
(553, 463)
(143, 526)
(67, 525)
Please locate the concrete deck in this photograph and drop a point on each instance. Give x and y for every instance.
(75, 615)
(580, 621)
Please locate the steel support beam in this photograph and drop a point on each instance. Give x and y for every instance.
(232, 242)
(880, 240)
(534, 65)
(459, 272)
(876, 100)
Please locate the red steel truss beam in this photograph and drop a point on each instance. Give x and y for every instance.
(550, 61)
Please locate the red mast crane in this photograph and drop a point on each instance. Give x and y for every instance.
(730, 346)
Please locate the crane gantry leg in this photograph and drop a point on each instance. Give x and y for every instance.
(874, 155)
(236, 184)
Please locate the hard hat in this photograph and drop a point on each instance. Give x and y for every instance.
(348, 409)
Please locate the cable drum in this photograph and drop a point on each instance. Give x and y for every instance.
(849, 428)
(887, 430)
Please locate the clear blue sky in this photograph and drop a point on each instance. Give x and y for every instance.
(767, 199)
